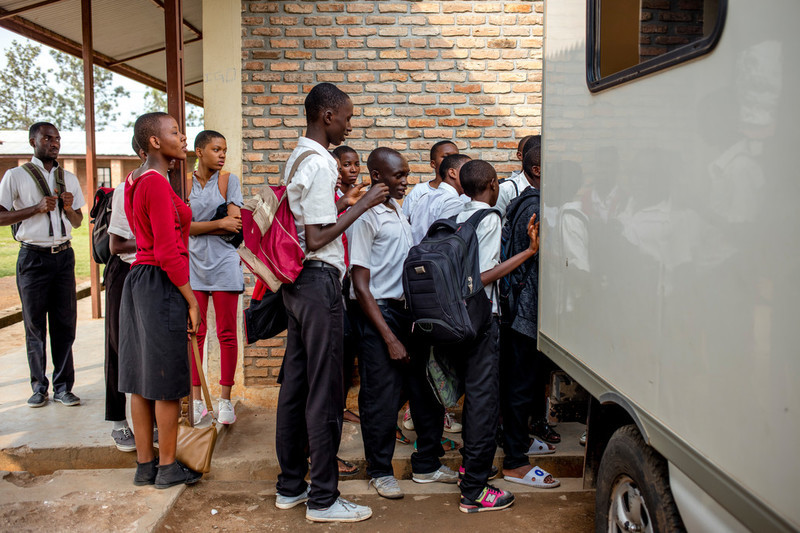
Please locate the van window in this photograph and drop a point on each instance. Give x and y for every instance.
(630, 38)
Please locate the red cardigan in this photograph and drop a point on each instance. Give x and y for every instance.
(160, 221)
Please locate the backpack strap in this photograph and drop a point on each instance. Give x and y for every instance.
(480, 214)
(512, 182)
(302, 157)
(36, 174)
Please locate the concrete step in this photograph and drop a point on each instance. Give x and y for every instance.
(246, 451)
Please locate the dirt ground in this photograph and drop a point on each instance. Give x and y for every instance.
(240, 507)
(9, 297)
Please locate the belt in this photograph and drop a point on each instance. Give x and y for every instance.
(313, 263)
(48, 249)
(390, 302)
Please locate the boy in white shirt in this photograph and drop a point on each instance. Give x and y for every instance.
(311, 399)
(515, 184)
(478, 361)
(389, 363)
(439, 151)
(444, 202)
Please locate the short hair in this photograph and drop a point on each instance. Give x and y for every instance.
(439, 144)
(146, 126)
(379, 154)
(34, 129)
(205, 137)
(452, 161)
(521, 145)
(323, 96)
(533, 143)
(533, 158)
(476, 175)
(339, 151)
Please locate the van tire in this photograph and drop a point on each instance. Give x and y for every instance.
(629, 462)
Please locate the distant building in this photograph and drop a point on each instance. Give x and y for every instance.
(115, 157)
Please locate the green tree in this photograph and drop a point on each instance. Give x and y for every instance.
(25, 94)
(69, 102)
(155, 100)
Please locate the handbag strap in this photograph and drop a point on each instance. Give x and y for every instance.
(202, 375)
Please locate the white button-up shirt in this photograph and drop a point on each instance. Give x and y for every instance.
(18, 190)
(443, 202)
(312, 199)
(379, 241)
(489, 233)
(508, 190)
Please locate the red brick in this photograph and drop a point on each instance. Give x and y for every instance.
(284, 43)
(438, 111)
(456, 7)
(322, 20)
(473, 88)
(359, 31)
(471, 20)
(425, 7)
(330, 8)
(380, 19)
(393, 54)
(517, 8)
(379, 42)
(349, 43)
(344, 20)
(263, 7)
(424, 76)
(467, 111)
(451, 122)
(298, 8)
(422, 99)
(317, 43)
(265, 100)
(365, 7)
(283, 21)
(299, 32)
(251, 89)
(394, 76)
(480, 122)
(330, 54)
(453, 99)
(330, 32)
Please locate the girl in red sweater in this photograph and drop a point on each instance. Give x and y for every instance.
(157, 304)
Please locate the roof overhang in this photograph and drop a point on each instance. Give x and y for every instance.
(128, 36)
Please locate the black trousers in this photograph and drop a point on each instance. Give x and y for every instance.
(46, 285)
(383, 382)
(114, 276)
(518, 394)
(311, 399)
(478, 364)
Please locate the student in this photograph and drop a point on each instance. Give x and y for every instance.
(157, 305)
(45, 216)
(379, 242)
(478, 361)
(311, 399)
(444, 202)
(214, 266)
(349, 169)
(439, 151)
(513, 186)
(522, 372)
(122, 245)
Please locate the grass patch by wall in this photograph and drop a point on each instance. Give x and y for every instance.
(9, 249)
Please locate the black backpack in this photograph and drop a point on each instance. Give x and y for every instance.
(442, 283)
(101, 218)
(512, 283)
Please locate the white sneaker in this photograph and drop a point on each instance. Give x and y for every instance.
(387, 487)
(450, 424)
(443, 475)
(225, 415)
(199, 411)
(341, 511)
(408, 423)
(287, 502)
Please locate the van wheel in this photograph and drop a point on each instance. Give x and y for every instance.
(633, 491)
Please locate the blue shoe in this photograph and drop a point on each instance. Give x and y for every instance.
(287, 502)
(341, 511)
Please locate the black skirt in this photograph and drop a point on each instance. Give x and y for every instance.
(153, 354)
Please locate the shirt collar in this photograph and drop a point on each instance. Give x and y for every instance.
(38, 162)
(383, 208)
(476, 205)
(305, 142)
(446, 188)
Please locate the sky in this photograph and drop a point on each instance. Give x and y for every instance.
(127, 106)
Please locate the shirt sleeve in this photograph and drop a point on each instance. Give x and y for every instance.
(6, 191)
(359, 239)
(118, 225)
(234, 191)
(157, 196)
(317, 197)
(489, 242)
(451, 206)
(73, 185)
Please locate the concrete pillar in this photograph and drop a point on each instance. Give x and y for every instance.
(117, 172)
(222, 98)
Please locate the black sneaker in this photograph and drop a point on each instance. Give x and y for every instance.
(175, 474)
(146, 473)
(38, 399)
(123, 439)
(490, 499)
(66, 398)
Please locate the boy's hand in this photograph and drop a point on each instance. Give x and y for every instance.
(397, 352)
(533, 233)
(231, 224)
(354, 194)
(48, 203)
(67, 198)
(376, 195)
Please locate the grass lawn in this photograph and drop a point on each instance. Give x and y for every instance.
(9, 249)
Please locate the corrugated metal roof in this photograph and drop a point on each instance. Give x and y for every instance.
(73, 143)
(122, 29)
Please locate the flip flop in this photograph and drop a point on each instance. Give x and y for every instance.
(535, 478)
(539, 447)
(452, 445)
(348, 465)
(399, 437)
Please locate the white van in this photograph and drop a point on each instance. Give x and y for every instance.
(670, 261)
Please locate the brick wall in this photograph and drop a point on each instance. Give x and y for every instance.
(417, 72)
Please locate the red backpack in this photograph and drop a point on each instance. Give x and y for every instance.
(271, 248)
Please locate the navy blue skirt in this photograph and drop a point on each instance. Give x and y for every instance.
(153, 345)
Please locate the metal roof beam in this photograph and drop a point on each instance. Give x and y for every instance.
(196, 31)
(41, 34)
(14, 12)
(149, 53)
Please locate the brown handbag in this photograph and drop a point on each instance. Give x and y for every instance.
(196, 445)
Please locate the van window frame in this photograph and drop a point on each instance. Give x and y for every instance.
(597, 83)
